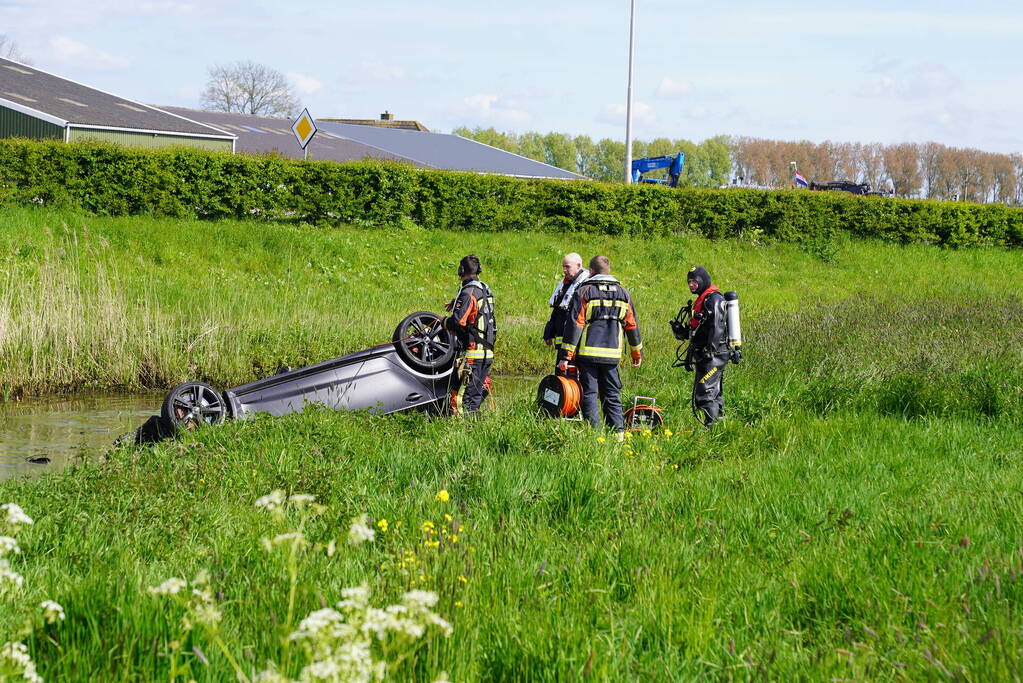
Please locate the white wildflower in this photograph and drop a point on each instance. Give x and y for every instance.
(292, 538)
(52, 611)
(14, 658)
(171, 586)
(360, 531)
(355, 598)
(320, 620)
(377, 622)
(270, 676)
(300, 500)
(326, 670)
(14, 516)
(419, 599)
(271, 502)
(10, 581)
(8, 546)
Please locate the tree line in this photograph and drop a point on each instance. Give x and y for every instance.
(927, 170)
(708, 163)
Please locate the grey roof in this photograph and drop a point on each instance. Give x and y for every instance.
(63, 102)
(445, 151)
(270, 135)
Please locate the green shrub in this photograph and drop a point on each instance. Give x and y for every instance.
(180, 183)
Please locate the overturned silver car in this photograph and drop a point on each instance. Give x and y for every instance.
(412, 372)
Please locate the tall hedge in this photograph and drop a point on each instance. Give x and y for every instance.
(109, 180)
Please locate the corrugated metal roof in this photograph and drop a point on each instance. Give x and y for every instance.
(270, 135)
(445, 151)
(382, 123)
(60, 101)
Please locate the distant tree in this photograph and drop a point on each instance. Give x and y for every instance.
(9, 50)
(489, 136)
(585, 155)
(531, 145)
(559, 150)
(719, 159)
(902, 165)
(610, 160)
(249, 88)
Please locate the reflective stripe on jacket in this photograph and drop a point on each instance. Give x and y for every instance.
(560, 302)
(472, 320)
(601, 318)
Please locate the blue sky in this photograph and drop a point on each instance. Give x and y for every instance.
(856, 71)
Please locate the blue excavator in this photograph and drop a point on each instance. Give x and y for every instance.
(672, 162)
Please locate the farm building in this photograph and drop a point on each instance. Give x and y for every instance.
(35, 104)
(39, 105)
(270, 135)
(388, 140)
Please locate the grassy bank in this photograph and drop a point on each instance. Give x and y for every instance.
(857, 516)
(802, 547)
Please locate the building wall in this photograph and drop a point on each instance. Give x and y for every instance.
(148, 140)
(14, 124)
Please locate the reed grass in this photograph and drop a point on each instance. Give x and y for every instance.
(857, 516)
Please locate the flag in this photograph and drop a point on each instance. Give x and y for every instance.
(800, 180)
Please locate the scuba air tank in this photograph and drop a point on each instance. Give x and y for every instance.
(734, 326)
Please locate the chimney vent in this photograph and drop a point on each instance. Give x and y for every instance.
(387, 116)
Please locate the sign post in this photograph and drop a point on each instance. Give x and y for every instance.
(304, 129)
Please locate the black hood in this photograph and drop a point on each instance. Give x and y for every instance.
(700, 275)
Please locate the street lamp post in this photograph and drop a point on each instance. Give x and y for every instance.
(628, 99)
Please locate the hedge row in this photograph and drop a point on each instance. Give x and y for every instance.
(110, 180)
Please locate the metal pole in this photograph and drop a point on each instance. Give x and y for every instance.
(628, 99)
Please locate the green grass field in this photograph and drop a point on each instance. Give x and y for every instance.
(857, 516)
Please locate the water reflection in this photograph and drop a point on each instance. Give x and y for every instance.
(60, 428)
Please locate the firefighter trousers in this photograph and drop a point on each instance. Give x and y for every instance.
(600, 382)
(468, 392)
(708, 386)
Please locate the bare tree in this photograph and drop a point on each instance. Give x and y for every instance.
(9, 49)
(249, 88)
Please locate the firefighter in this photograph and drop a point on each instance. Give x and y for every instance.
(474, 328)
(561, 299)
(600, 319)
(708, 349)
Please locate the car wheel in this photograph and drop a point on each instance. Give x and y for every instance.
(192, 404)
(423, 343)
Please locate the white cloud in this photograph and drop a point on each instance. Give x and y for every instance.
(306, 85)
(495, 110)
(669, 88)
(922, 80)
(642, 114)
(73, 53)
(378, 71)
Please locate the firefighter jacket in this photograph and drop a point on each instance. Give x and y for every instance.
(472, 320)
(710, 322)
(600, 319)
(561, 301)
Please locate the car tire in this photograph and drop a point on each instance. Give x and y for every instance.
(423, 343)
(192, 404)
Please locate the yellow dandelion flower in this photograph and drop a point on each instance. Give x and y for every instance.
(383, 525)
(458, 603)
(422, 577)
(443, 496)
(601, 439)
(667, 432)
(628, 435)
(447, 517)
(428, 526)
(454, 538)
(431, 544)
(463, 579)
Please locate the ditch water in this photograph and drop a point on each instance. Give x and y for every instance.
(62, 428)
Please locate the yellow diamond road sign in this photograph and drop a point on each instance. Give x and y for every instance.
(304, 128)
